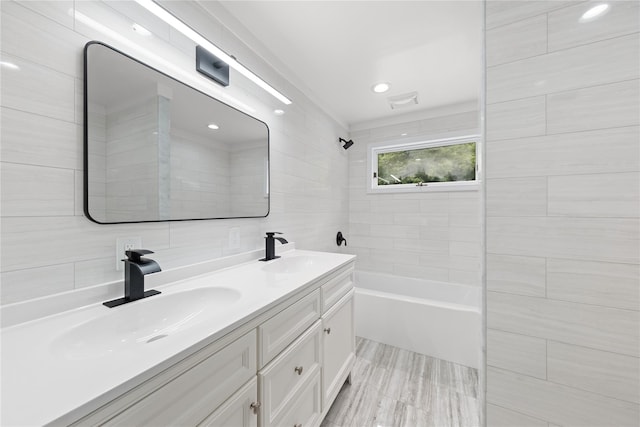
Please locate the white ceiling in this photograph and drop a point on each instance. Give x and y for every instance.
(339, 49)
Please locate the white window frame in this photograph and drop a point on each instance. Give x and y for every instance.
(389, 147)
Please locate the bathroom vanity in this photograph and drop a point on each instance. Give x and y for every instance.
(274, 352)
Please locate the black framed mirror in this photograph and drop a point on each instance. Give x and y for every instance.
(157, 149)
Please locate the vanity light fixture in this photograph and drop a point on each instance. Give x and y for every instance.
(183, 28)
(594, 13)
(381, 87)
(141, 30)
(213, 126)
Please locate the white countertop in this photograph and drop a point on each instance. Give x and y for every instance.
(42, 385)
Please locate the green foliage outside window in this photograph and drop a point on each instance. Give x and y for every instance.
(435, 164)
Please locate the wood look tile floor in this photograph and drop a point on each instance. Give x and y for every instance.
(392, 387)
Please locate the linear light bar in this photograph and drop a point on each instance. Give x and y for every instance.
(170, 19)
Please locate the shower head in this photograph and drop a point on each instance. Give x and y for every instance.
(347, 144)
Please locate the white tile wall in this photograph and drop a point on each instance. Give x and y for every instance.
(563, 229)
(431, 236)
(46, 240)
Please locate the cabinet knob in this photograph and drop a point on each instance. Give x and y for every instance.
(327, 330)
(255, 406)
(298, 369)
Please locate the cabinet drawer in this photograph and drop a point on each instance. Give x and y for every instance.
(196, 393)
(236, 411)
(304, 409)
(336, 288)
(282, 378)
(277, 333)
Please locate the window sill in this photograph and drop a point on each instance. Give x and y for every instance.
(429, 188)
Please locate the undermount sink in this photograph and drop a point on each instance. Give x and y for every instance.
(289, 265)
(143, 322)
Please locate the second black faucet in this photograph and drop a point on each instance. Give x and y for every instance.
(270, 245)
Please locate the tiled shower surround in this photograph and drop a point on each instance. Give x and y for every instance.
(48, 246)
(563, 156)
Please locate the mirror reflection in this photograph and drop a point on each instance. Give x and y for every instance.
(159, 150)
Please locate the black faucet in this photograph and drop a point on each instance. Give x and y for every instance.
(135, 268)
(270, 245)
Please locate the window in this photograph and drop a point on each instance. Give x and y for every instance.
(441, 165)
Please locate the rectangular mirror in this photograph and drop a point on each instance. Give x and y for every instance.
(159, 150)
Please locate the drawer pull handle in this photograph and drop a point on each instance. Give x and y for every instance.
(298, 425)
(327, 330)
(298, 369)
(255, 406)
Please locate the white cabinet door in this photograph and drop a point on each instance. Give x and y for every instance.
(238, 410)
(338, 348)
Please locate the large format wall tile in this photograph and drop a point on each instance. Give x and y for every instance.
(21, 285)
(518, 353)
(566, 29)
(37, 89)
(516, 274)
(559, 404)
(498, 416)
(506, 12)
(598, 63)
(519, 40)
(37, 140)
(601, 372)
(517, 196)
(597, 107)
(36, 190)
(598, 195)
(597, 239)
(598, 283)
(602, 328)
(566, 154)
(516, 119)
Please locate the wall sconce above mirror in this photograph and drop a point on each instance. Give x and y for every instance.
(157, 149)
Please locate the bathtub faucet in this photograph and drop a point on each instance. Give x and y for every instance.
(270, 245)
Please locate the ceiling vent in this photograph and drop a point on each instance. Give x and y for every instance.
(403, 101)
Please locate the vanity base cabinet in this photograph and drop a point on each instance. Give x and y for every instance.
(238, 410)
(338, 348)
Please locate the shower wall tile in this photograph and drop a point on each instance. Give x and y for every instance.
(556, 403)
(517, 196)
(516, 119)
(597, 239)
(36, 190)
(57, 11)
(601, 328)
(522, 39)
(601, 372)
(433, 235)
(597, 283)
(566, 154)
(516, 275)
(596, 195)
(598, 63)
(501, 417)
(606, 106)
(517, 353)
(566, 30)
(563, 213)
(506, 12)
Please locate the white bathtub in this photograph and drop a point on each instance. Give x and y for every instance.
(438, 319)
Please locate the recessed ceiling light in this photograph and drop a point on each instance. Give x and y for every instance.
(213, 126)
(381, 87)
(9, 65)
(278, 112)
(594, 13)
(141, 30)
(403, 134)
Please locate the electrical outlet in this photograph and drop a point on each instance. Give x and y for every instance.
(124, 244)
(234, 238)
